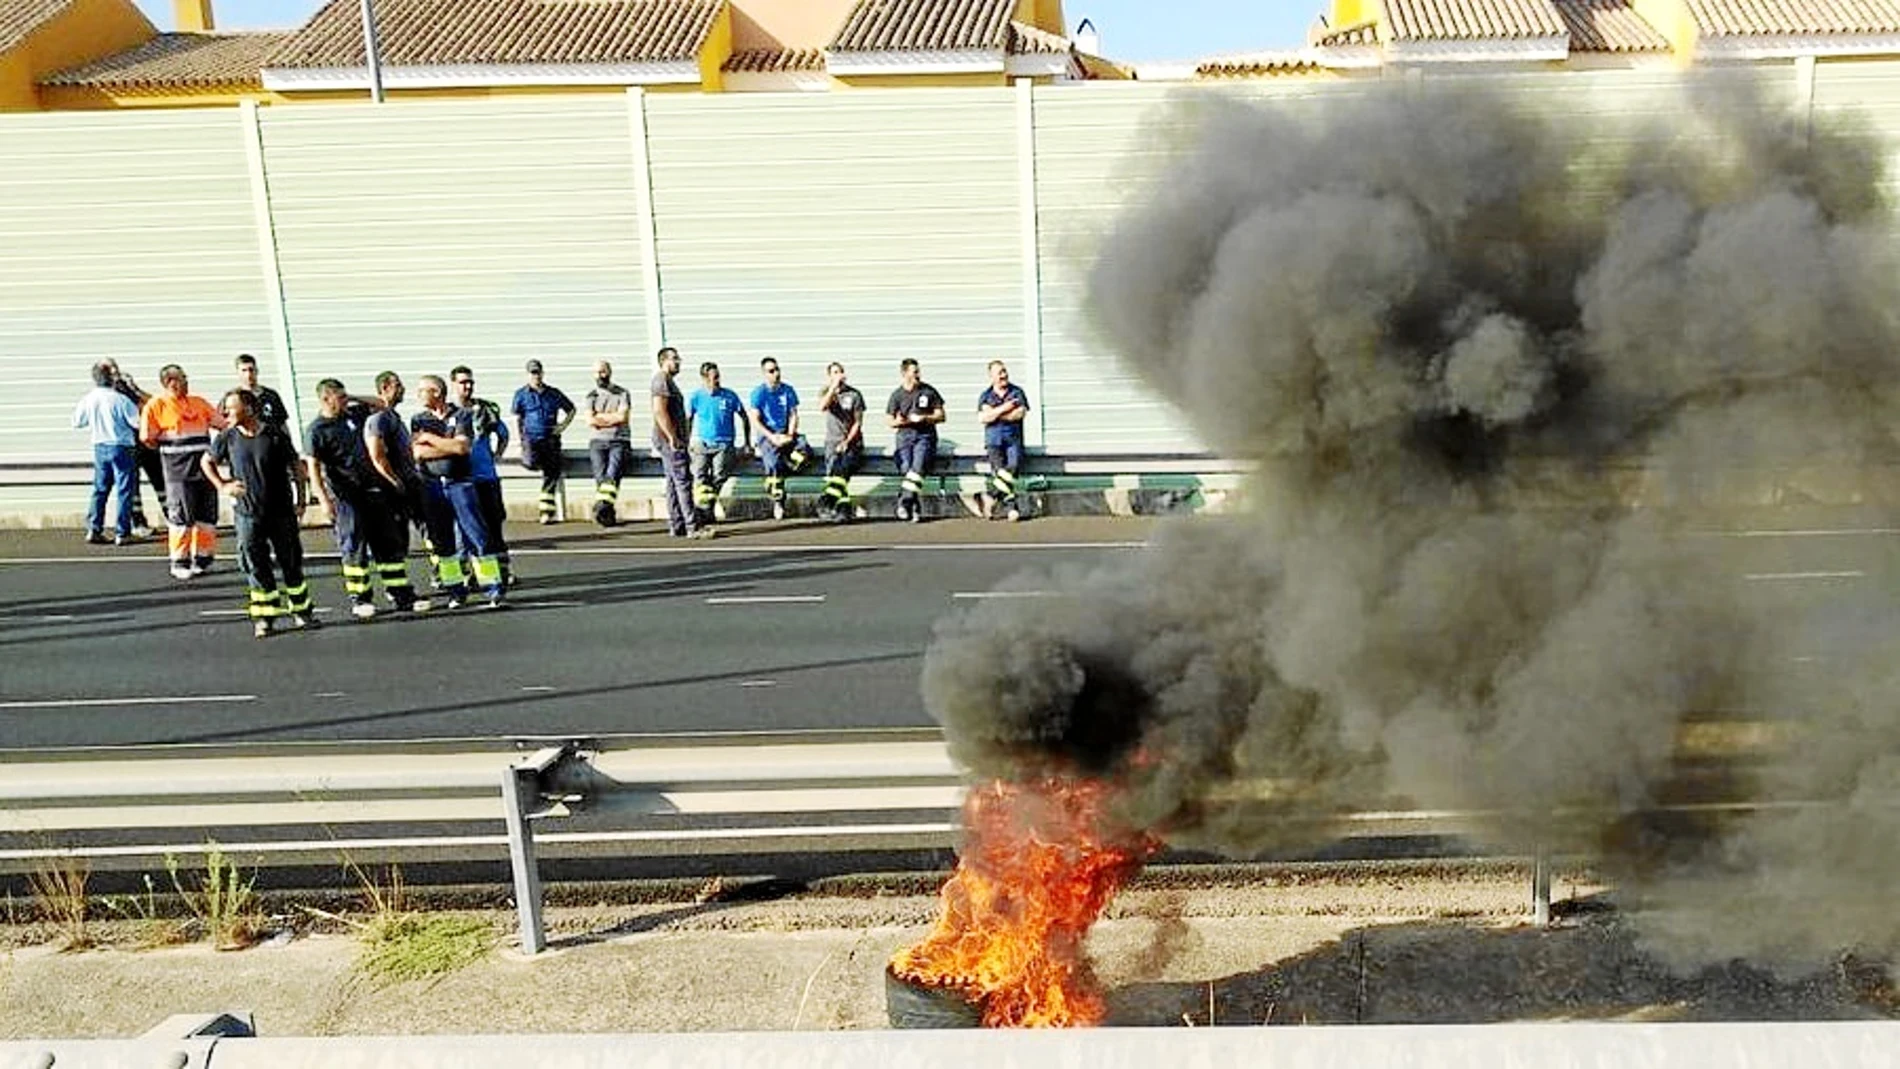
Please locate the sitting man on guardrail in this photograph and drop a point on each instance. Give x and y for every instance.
(773, 410)
(915, 409)
(714, 413)
(1001, 408)
(268, 494)
(843, 407)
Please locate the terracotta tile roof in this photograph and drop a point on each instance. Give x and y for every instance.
(774, 60)
(924, 25)
(21, 17)
(415, 33)
(1747, 18)
(1263, 65)
(1465, 20)
(1609, 26)
(1027, 40)
(1358, 34)
(179, 61)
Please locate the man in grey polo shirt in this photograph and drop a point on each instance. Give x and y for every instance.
(608, 409)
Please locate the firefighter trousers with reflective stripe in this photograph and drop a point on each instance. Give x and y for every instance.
(269, 549)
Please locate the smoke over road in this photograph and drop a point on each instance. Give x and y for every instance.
(1480, 359)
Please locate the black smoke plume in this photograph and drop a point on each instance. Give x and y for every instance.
(1493, 370)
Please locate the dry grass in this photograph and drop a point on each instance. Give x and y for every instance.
(59, 895)
(140, 913)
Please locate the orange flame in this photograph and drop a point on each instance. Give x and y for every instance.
(1040, 862)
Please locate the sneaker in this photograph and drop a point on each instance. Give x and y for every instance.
(201, 566)
(363, 610)
(778, 510)
(495, 601)
(123, 540)
(719, 512)
(182, 571)
(260, 628)
(547, 520)
(454, 601)
(917, 514)
(141, 530)
(420, 605)
(1015, 514)
(511, 580)
(303, 622)
(97, 538)
(903, 511)
(702, 533)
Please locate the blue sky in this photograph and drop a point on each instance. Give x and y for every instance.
(1131, 29)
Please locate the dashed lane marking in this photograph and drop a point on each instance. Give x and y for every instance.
(769, 599)
(1771, 577)
(1000, 595)
(79, 703)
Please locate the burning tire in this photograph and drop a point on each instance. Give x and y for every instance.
(914, 1005)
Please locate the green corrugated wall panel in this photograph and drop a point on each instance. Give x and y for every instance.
(126, 235)
(419, 235)
(861, 226)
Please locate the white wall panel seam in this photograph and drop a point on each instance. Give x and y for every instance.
(292, 391)
(644, 220)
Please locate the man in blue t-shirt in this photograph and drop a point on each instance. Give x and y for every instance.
(1001, 409)
(491, 441)
(773, 409)
(541, 413)
(714, 413)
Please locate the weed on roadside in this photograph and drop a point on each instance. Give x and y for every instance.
(223, 901)
(140, 912)
(59, 894)
(397, 947)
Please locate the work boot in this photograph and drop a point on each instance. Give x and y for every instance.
(261, 628)
(363, 610)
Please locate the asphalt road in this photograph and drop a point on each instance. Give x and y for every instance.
(769, 628)
(788, 628)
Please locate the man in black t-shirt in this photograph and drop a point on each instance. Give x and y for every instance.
(267, 492)
(372, 539)
(915, 409)
(271, 410)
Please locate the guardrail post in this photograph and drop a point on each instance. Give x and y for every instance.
(520, 791)
(1540, 886)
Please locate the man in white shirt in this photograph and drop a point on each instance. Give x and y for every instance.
(113, 422)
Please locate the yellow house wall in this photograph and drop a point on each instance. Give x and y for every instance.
(1671, 19)
(787, 23)
(86, 31)
(715, 51)
(1353, 12)
(90, 98)
(1042, 14)
(918, 81)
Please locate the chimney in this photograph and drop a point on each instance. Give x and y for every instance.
(1088, 40)
(193, 16)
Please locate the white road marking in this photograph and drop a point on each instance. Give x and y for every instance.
(60, 616)
(77, 703)
(537, 690)
(328, 694)
(1820, 532)
(758, 682)
(551, 604)
(769, 599)
(988, 595)
(247, 612)
(1767, 577)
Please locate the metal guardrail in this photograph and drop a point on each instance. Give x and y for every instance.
(424, 802)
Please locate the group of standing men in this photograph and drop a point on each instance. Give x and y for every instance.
(377, 474)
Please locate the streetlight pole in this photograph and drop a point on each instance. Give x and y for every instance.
(372, 52)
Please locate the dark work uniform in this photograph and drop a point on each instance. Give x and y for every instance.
(452, 509)
(392, 508)
(842, 459)
(271, 410)
(540, 413)
(916, 445)
(148, 465)
(372, 542)
(1003, 443)
(266, 518)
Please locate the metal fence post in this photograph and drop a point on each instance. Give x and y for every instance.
(520, 792)
(1540, 886)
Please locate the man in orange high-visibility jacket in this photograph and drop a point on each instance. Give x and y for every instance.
(179, 424)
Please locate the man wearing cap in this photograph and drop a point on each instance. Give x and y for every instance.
(541, 413)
